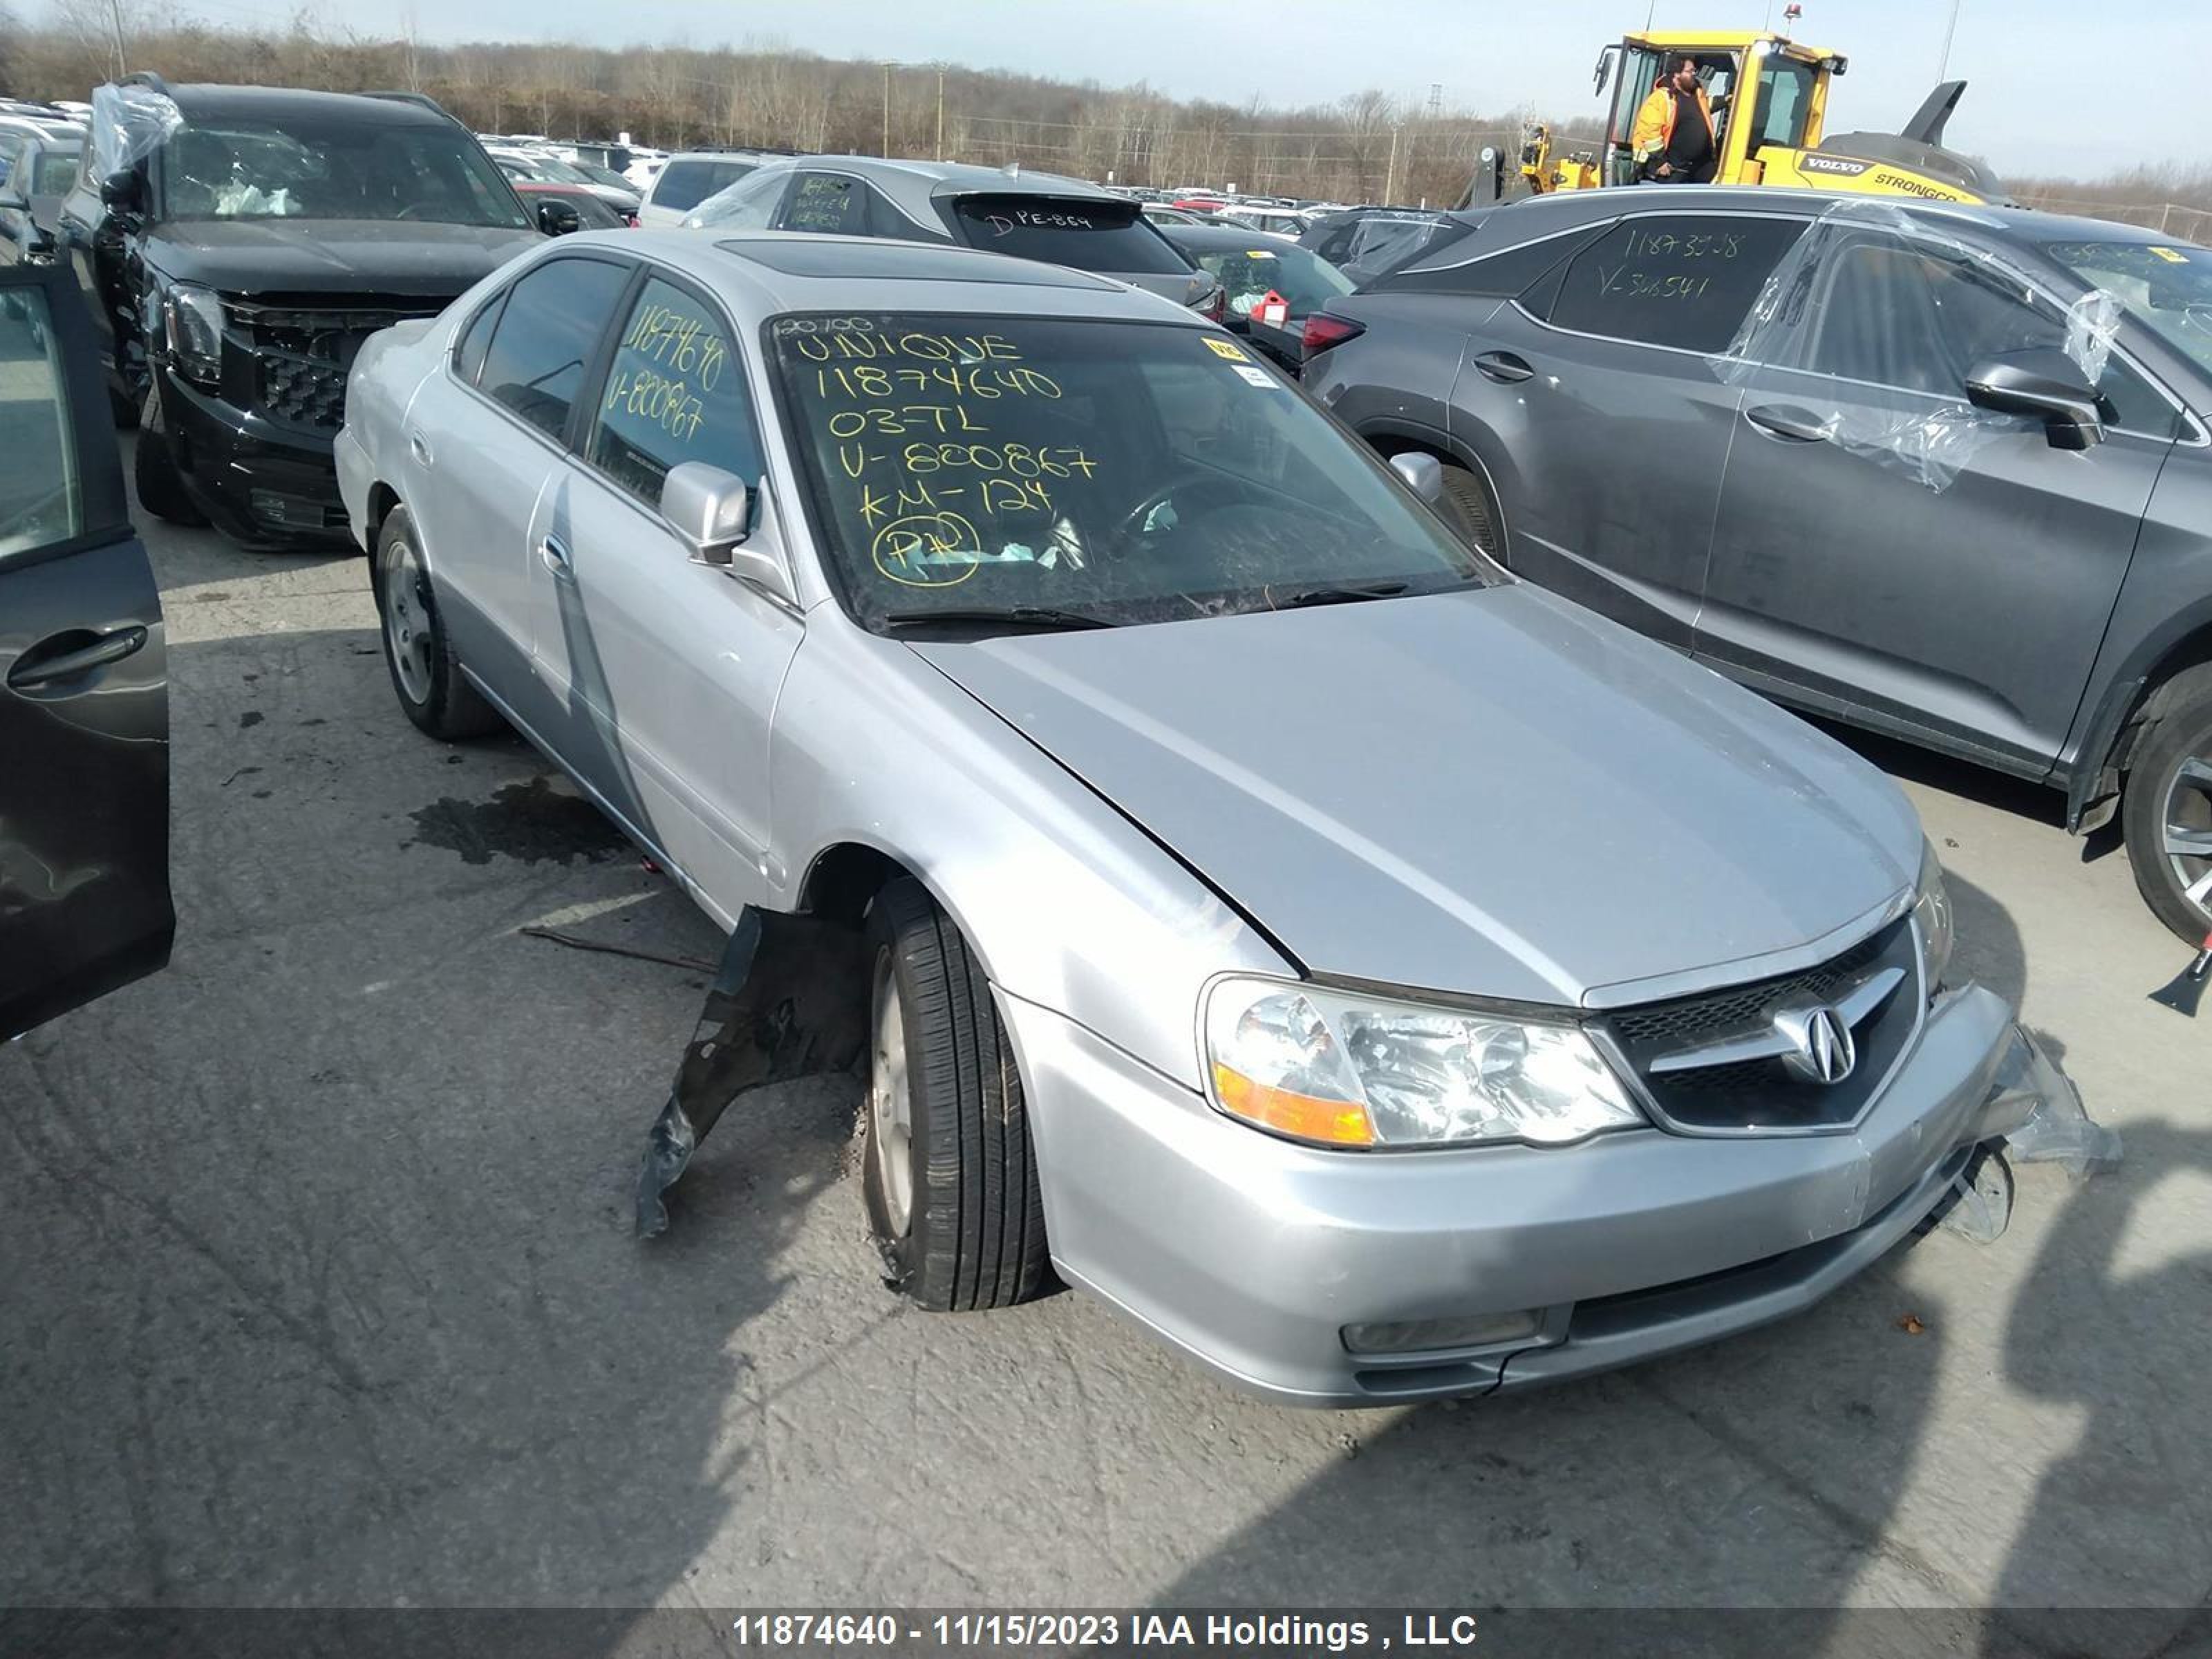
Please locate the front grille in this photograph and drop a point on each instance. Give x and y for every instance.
(301, 354)
(1748, 1096)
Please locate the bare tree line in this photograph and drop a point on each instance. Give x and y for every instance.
(1362, 147)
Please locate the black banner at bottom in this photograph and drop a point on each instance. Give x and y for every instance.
(1080, 1633)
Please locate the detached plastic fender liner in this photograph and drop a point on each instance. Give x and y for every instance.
(789, 1000)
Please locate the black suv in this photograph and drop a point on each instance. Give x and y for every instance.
(236, 244)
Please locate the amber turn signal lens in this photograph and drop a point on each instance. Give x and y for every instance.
(1333, 1122)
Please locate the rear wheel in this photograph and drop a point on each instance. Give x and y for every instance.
(1467, 507)
(949, 1169)
(153, 469)
(425, 672)
(2165, 814)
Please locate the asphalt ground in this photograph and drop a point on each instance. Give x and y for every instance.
(321, 1289)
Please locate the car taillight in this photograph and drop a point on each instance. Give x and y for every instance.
(629, 220)
(1323, 331)
(1214, 307)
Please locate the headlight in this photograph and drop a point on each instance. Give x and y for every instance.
(1932, 910)
(1344, 1069)
(195, 324)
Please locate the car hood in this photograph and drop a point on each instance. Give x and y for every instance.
(328, 256)
(1489, 791)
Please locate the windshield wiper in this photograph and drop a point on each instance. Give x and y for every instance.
(1345, 593)
(1011, 616)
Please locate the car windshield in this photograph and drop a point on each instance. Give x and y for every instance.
(1063, 231)
(1103, 471)
(1249, 274)
(333, 169)
(2166, 287)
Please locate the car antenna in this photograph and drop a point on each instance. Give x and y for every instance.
(1012, 169)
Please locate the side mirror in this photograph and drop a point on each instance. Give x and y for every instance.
(714, 511)
(558, 218)
(123, 190)
(1422, 474)
(2045, 384)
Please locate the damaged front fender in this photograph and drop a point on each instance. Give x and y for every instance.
(789, 1000)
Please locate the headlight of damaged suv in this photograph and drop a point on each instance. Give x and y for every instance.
(195, 324)
(1931, 909)
(1341, 1068)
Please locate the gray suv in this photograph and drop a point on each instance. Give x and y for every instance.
(1941, 471)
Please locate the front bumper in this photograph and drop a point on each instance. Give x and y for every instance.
(260, 482)
(1253, 1253)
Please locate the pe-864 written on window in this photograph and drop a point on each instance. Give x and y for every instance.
(1686, 280)
(675, 392)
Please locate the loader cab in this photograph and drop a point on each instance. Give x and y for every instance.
(1766, 90)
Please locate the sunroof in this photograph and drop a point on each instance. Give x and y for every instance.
(905, 262)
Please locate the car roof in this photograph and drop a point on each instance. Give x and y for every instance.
(914, 185)
(58, 133)
(764, 273)
(277, 104)
(1542, 215)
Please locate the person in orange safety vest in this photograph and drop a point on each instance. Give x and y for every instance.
(1673, 137)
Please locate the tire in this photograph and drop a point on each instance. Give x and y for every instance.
(2169, 785)
(153, 469)
(951, 1189)
(1467, 507)
(426, 675)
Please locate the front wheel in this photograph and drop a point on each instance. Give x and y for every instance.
(949, 1168)
(2166, 814)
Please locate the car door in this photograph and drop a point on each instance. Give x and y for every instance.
(670, 668)
(484, 438)
(1600, 380)
(84, 698)
(1884, 551)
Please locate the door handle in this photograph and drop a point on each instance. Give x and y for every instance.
(1502, 367)
(1787, 423)
(64, 656)
(554, 552)
(421, 446)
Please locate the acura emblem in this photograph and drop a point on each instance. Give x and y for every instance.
(1820, 1048)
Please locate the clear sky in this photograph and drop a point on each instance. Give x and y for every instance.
(2056, 86)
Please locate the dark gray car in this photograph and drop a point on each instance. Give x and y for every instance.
(1941, 471)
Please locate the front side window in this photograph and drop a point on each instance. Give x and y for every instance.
(1900, 313)
(1680, 280)
(53, 172)
(1104, 236)
(333, 169)
(684, 185)
(1127, 471)
(41, 502)
(675, 392)
(544, 337)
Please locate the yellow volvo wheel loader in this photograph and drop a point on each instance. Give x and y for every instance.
(1770, 98)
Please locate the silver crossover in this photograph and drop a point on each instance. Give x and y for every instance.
(1378, 976)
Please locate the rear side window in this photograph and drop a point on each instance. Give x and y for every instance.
(675, 392)
(830, 203)
(1107, 236)
(545, 335)
(1685, 281)
(684, 185)
(475, 339)
(1503, 275)
(749, 204)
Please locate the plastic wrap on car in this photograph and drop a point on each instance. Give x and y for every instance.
(2053, 1127)
(1931, 447)
(129, 124)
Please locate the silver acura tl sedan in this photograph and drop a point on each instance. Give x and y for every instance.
(1377, 977)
